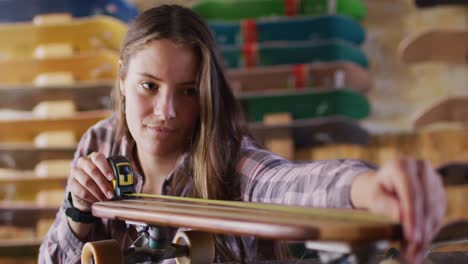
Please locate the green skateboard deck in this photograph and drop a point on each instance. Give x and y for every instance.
(288, 29)
(314, 132)
(306, 105)
(270, 54)
(213, 10)
(83, 35)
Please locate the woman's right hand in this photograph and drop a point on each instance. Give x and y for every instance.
(91, 181)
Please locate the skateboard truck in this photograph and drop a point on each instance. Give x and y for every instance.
(123, 182)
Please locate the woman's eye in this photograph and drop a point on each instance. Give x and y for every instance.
(191, 92)
(149, 85)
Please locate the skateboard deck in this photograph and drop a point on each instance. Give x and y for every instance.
(235, 218)
(305, 105)
(288, 29)
(85, 95)
(270, 54)
(82, 34)
(25, 10)
(454, 173)
(329, 75)
(213, 10)
(26, 156)
(433, 3)
(23, 225)
(445, 46)
(25, 185)
(314, 132)
(84, 68)
(24, 130)
(450, 109)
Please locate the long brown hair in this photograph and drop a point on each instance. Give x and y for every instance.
(218, 134)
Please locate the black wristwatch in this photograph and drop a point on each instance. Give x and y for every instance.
(78, 215)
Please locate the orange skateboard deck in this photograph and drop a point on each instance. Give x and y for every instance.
(445, 46)
(24, 130)
(450, 109)
(319, 75)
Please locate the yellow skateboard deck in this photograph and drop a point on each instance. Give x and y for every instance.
(83, 68)
(82, 34)
(26, 129)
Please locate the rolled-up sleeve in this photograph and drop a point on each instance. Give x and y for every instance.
(268, 178)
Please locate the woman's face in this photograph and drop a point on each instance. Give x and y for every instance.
(161, 102)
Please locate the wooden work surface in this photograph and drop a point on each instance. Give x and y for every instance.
(264, 221)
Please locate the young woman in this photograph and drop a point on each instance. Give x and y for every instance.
(178, 122)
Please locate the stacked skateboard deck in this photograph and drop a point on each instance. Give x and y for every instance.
(57, 75)
(286, 61)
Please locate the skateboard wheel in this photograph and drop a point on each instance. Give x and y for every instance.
(102, 252)
(200, 247)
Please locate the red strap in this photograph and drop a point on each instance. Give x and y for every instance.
(250, 51)
(249, 30)
(300, 76)
(291, 7)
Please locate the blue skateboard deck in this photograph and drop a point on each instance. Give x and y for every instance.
(306, 105)
(271, 54)
(25, 10)
(288, 29)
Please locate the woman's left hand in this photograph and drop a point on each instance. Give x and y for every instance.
(409, 191)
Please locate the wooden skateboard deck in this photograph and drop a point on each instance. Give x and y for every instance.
(288, 29)
(93, 67)
(305, 105)
(454, 173)
(86, 96)
(23, 225)
(314, 132)
(25, 10)
(318, 75)
(26, 156)
(24, 130)
(250, 55)
(434, 3)
(213, 10)
(83, 34)
(450, 109)
(445, 46)
(235, 218)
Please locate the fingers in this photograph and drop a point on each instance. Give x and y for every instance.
(419, 193)
(89, 179)
(400, 178)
